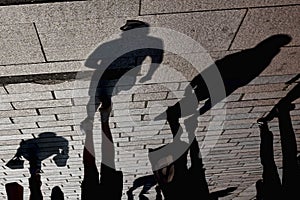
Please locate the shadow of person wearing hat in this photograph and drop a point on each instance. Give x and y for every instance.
(120, 58)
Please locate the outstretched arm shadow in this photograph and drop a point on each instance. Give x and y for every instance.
(236, 70)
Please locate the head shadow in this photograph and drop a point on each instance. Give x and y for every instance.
(38, 149)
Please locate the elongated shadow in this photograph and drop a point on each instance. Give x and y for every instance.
(237, 70)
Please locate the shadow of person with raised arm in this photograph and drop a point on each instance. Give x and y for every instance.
(236, 70)
(270, 186)
(35, 151)
(110, 185)
(113, 59)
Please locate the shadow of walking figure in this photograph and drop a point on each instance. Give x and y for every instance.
(110, 185)
(270, 186)
(35, 151)
(174, 177)
(123, 56)
(236, 70)
(38, 149)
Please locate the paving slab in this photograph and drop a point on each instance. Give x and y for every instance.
(19, 44)
(68, 35)
(68, 11)
(262, 23)
(42, 68)
(76, 40)
(168, 6)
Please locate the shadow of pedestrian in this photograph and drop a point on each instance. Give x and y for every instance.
(38, 149)
(271, 186)
(121, 58)
(236, 70)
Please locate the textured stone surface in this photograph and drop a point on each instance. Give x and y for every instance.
(168, 6)
(19, 44)
(228, 134)
(261, 23)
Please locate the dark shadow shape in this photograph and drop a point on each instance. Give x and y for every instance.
(176, 180)
(57, 193)
(110, 185)
(35, 151)
(237, 70)
(38, 149)
(270, 186)
(221, 193)
(14, 191)
(113, 59)
(147, 182)
(294, 79)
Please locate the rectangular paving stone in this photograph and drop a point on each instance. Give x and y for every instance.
(42, 104)
(48, 129)
(26, 97)
(17, 113)
(32, 87)
(63, 94)
(77, 39)
(60, 110)
(261, 23)
(150, 96)
(17, 126)
(19, 44)
(261, 88)
(33, 118)
(271, 79)
(264, 95)
(237, 116)
(5, 106)
(161, 6)
(56, 123)
(68, 11)
(213, 30)
(44, 68)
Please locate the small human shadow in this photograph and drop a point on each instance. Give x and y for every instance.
(38, 149)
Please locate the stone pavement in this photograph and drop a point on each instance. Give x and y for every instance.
(43, 89)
